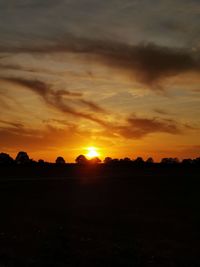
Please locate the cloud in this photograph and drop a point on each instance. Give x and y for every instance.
(138, 127)
(17, 67)
(3, 102)
(92, 105)
(148, 63)
(161, 111)
(49, 138)
(59, 133)
(17, 125)
(62, 100)
(133, 127)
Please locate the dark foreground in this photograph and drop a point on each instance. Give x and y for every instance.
(144, 220)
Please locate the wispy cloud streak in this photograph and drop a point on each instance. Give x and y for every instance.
(61, 99)
(149, 63)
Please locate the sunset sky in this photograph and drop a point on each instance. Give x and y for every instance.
(119, 75)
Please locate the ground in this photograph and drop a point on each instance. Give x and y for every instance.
(129, 219)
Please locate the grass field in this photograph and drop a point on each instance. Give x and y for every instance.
(101, 221)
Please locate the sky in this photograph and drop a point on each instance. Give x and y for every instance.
(119, 75)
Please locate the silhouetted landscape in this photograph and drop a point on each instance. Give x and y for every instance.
(119, 212)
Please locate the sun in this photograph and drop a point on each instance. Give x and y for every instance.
(92, 152)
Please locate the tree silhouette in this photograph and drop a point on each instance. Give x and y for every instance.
(81, 160)
(95, 160)
(60, 161)
(22, 158)
(5, 159)
(139, 160)
(197, 161)
(150, 160)
(170, 161)
(126, 160)
(107, 160)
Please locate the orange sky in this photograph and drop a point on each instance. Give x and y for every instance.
(130, 90)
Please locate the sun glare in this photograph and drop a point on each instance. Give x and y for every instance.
(92, 152)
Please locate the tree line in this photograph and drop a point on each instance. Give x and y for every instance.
(22, 158)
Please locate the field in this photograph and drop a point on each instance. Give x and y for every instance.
(101, 219)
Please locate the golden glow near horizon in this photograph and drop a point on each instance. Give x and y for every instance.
(92, 152)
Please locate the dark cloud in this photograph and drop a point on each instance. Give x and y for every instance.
(34, 4)
(39, 87)
(3, 56)
(61, 99)
(149, 63)
(140, 127)
(161, 111)
(63, 93)
(17, 125)
(92, 105)
(11, 67)
(25, 69)
(134, 127)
